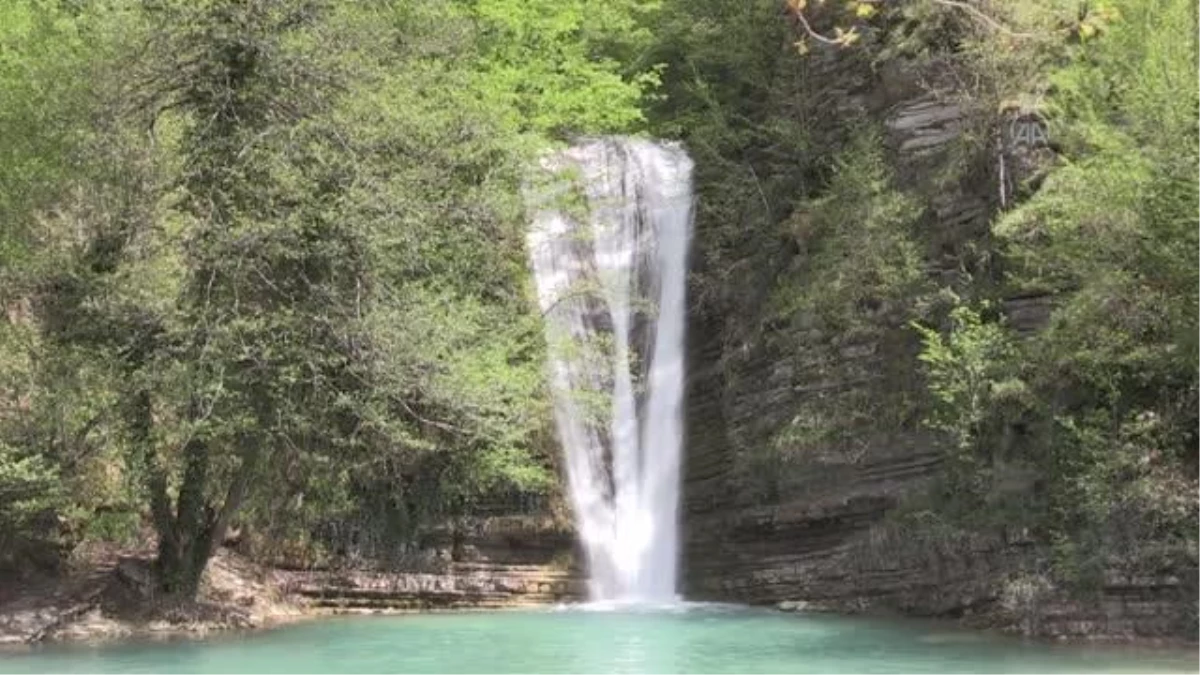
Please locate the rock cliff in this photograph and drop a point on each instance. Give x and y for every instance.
(815, 530)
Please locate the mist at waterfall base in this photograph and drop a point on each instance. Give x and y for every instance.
(611, 281)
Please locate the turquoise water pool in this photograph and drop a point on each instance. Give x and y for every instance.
(682, 638)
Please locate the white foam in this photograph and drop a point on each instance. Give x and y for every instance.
(617, 277)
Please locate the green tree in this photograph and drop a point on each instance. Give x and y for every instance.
(565, 66)
(71, 180)
(260, 359)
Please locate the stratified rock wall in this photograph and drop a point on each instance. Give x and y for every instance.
(477, 562)
(759, 545)
(460, 586)
(815, 534)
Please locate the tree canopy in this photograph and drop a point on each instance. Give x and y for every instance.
(268, 253)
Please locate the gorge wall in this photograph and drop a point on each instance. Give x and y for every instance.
(815, 533)
(807, 457)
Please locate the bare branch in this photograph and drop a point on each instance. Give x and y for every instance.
(812, 33)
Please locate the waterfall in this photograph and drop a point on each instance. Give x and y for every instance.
(609, 256)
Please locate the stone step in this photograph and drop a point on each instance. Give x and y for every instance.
(475, 584)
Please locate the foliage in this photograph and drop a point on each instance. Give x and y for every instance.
(565, 66)
(273, 274)
(29, 491)
(1006, 22)
(60, 195)
(856, 257)
(968, 373)
(1107, 391)
(44, 83)
(734, 99)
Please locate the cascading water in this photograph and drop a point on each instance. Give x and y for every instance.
(611, 280)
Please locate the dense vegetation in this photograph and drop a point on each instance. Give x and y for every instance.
(1102, 403)
(262, 260)
(827, 247)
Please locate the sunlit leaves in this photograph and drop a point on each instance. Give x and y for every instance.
(864, 10)
(553, 65)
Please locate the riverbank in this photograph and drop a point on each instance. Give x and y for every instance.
(106, 595)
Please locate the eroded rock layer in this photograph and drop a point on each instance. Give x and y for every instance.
(814, 531)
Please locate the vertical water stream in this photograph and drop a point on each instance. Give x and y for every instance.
(610, 260)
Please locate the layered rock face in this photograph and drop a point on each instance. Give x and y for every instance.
(460, 586)
(799, 539)
(814, 533)
(486, 562)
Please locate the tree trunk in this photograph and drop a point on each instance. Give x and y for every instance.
(199, 527)
(179, 575)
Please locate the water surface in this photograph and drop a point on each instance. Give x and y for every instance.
(686, 638)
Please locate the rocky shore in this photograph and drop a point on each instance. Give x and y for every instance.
(110, 599)
(105, 592)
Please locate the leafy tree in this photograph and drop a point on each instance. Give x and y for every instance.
(565, 66)
(967, 371)
(44, 81)
(267, 314)
(68, 178)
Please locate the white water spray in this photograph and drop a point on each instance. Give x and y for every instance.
(611, 276)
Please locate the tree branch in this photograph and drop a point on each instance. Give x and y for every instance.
(812, 33)
(841, 40)
(987, 20)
